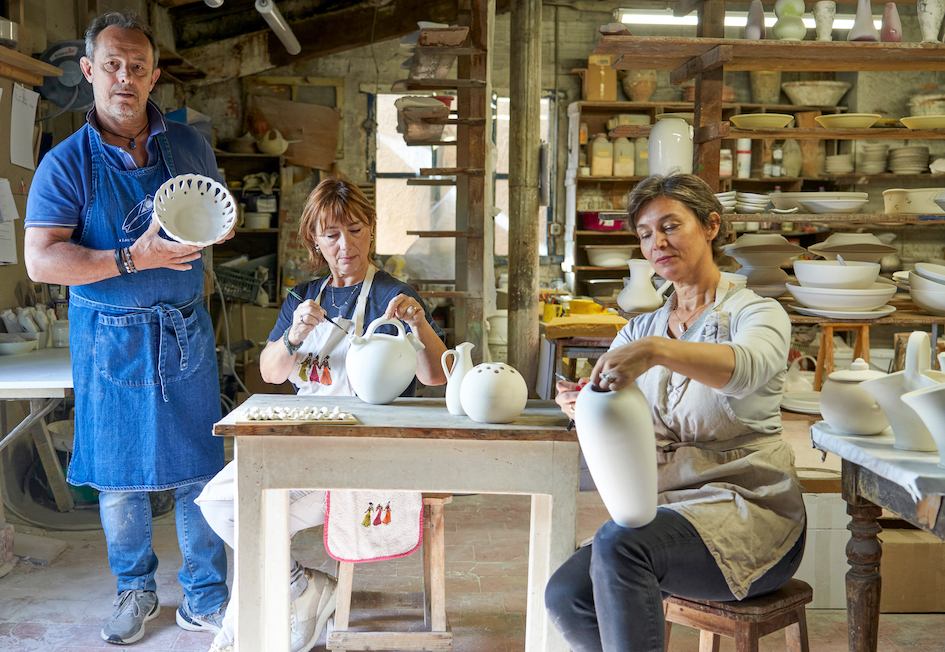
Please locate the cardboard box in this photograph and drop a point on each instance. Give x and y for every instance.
(825, 559)
(913, 571)
(599, 78)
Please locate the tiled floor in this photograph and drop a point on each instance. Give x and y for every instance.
(61, 608)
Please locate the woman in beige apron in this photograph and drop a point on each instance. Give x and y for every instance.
(711, 363)
(306, 348)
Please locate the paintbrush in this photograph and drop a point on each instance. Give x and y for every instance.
(333, 322)
(567, 380)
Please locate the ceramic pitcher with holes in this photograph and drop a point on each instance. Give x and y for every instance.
(462, 365)
(381, 366)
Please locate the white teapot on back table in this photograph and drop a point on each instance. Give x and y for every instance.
(382, 366)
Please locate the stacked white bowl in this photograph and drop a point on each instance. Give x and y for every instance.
(858, 247)
(909, 160)
(750, 202)
(873, 158)
(927, 287)
(761, 256)
(827, 288)
(839, 164)
(728, 200)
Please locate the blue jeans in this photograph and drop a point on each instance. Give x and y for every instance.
(609, 595)
(126, 519)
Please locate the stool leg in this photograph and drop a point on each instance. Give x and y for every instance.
(668, 626)
(710, 641)
(822, 355)
(861, 348)
(796, 633)
(343, 604)
(746, 637)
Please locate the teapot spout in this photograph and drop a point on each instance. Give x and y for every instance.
(416, 343)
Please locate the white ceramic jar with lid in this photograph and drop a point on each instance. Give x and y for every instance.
(847, 407)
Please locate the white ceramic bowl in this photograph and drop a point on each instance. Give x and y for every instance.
(919, 282)
(912, 200)
(850, 254)
(833, 205)
(815, 93)
(760, 258)
(843, 300)
(786, 200)
(931, 302)
(839, 239)
(924, 121)
(931, 271)
(16, 348)
(761, 120)
(195, 209)
(847, 120)
(607, 256)
(831, 274)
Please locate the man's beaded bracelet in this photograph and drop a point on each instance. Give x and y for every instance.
(123, 268)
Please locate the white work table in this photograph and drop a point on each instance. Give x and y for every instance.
(409, 445)
(41, 377)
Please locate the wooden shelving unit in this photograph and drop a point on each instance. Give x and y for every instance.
(24, 69)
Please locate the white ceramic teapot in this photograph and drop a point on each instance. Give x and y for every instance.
(847, 407)
(381, 366)
(639, 295)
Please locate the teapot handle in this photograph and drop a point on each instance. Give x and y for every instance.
(796, 365)
(380, 321)
(918, 353)
(448, 352)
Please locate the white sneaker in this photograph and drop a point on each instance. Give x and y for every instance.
(214, 647)
(309, 614)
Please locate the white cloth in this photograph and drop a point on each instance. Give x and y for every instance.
(722, 463)
(371, 526)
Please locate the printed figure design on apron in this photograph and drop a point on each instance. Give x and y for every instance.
(139, 216)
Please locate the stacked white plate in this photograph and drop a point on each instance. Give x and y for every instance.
(761, 256)
(909, 160)
(750, 202)
(843, 303)
(839, 164)
(927, 287)
(787, 200)
(728, 200)
(873, 158)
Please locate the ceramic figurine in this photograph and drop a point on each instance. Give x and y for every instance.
(824, 13)
(380, 366)
(847, 407)
(863, 28)
(755, 26)
(493, 392)
(891, 31)
(462, 365)
(639, 295)
(930, 13)
(911, 434)
(615, 430)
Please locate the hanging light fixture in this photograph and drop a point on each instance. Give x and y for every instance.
(732, 19)
(272, 16)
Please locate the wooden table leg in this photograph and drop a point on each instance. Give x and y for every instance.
(863, 579)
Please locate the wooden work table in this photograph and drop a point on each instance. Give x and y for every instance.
(409, 445)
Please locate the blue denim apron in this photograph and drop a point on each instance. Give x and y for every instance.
(143, 356)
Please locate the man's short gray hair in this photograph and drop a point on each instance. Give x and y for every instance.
(123, 19)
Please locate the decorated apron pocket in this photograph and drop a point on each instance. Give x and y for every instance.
(129, 348)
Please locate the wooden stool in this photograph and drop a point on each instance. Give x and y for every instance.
(861, 347)
(745, 621)
(439, 636)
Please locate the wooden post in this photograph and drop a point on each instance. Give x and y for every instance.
(525, 91)
(708, 96)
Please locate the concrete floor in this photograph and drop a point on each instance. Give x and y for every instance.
(62, 607)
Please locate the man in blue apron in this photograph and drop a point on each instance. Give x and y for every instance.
(143, 357)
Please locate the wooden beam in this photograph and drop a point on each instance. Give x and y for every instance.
(715, 58)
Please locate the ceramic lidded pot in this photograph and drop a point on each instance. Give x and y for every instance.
(847, 407)
(493, 392)
(382, 366)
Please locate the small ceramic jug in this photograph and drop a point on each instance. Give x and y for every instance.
(639, 295)
(847, 407)
(380, 366)
(462, 365)
(615, 430)
(493, 392)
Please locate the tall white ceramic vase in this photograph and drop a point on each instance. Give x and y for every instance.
(930, 13)
(824, 13)
(863, 28)
(615, 431)
(670, 146)
(462, 365)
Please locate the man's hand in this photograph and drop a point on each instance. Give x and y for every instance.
(151, 251)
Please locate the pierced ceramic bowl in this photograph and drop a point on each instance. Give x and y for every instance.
(194, 209)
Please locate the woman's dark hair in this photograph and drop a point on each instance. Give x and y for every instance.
(123, 19)
(690, 191)
(334, 201)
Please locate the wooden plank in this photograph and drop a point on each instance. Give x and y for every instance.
(819, 133)
(875, 219)
(468, 171)
(428, 84)
(717, 57)
(712, 131)
(316, 126)
(432, 641)
(431, 182)
(446, 234)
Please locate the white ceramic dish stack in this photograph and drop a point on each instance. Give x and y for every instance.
(826, 288)
(728, 200)
(913, 159)
(839, 164)
(833, 205)
(860, 247)
(873, 158)
(609, 255)
(786, 200)
(750, 202)
(927, 287)
(843, 300)
(761, 256)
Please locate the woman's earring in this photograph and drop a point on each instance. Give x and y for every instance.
(317, 250)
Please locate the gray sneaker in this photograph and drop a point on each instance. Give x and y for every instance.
(135, 608)
(187, 619)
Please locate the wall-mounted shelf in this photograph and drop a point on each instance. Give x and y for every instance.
(875, 219)
(24, 69)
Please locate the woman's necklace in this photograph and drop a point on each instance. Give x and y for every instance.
(693, 313)
(131, 141)
(345, 304)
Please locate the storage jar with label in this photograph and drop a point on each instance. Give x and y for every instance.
(623, 158)
(602, 156)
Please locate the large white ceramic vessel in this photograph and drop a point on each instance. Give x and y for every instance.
(381, 366)
(639, 295)
(911, 434)
(847, 407)
(670, 146)
(615, 430)
(462, 365)
(929, 404)
(493, 392)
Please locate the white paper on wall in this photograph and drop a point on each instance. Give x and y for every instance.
(7, 243)
(8, 211)
(22, 119)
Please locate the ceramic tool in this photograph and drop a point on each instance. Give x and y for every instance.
(295, 294)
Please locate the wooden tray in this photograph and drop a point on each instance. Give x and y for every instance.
(294, 422)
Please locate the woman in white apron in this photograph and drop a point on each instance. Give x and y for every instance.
(711, 363)
(337, 228)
